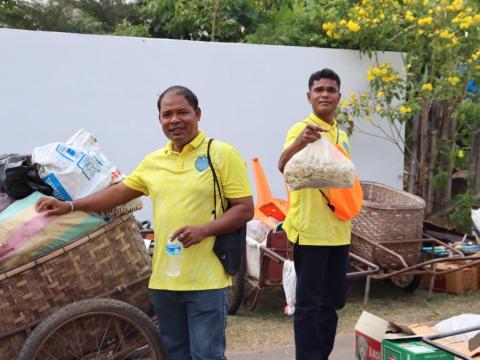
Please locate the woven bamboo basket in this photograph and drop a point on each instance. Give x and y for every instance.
(388, 215)
(111, 261)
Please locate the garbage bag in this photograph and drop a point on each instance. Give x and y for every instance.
(319, 165)
(289, 281)
(19, 177)
(78, 168)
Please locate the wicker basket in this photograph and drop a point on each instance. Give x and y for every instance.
(388, 215)
(111, 261)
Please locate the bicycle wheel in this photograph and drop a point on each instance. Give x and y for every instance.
(94, 329)
(236, 291)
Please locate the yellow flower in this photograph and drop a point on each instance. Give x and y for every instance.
(475, 55)
(460, 154)
(344, 103)
(445, 34)
(421, 32)
(427, 87)
(376, 71)
(390, 78)
(454, 80)
(457, 4)
(425, 21)
(477, 17)
(425, 2)
(395, 18)
(343, 22)
(378, 108)
(353, 26)
(409, 16)
(466, 23)
(405, 109)
(380, 94)
(370, 76)
(454, 41)
(329, 26)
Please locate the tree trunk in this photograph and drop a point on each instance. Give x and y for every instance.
(475, 159)
(412, 170)
(435, 117)
(423, 171)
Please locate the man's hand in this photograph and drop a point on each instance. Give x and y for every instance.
(189, 235)
(310, 134)
(52, 206)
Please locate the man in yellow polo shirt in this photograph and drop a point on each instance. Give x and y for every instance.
(191, 307)
(322, 240)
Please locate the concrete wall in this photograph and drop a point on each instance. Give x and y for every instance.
(52, 84)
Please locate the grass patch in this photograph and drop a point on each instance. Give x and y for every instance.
(267, 326)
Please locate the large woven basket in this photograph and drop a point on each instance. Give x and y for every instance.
(388, 215)
(111, 261)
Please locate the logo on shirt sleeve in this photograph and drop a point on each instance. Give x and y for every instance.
(346, 147)
(201, 164)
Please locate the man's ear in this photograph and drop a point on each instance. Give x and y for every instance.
(198, 112)
(308, 97)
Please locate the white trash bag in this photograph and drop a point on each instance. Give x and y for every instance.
(476, 221)
(78, 168)
(319, 165)
(289, 281)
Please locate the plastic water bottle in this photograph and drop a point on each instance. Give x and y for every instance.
(174, 251)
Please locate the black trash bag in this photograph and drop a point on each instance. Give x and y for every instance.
(19, 177)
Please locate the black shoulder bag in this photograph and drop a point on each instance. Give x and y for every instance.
(229, 247)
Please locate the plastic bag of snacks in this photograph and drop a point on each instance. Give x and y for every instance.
(319, 165)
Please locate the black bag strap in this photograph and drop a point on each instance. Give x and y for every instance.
(216, 184)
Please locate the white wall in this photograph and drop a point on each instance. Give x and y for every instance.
(52, 84)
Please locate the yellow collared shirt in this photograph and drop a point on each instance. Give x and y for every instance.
(180, 186)
(309, 220)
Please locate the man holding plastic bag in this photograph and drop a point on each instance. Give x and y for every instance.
(321, 238)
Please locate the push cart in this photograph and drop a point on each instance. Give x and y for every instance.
(387, 243)
(87, 300)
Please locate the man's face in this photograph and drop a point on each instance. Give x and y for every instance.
(324, 96)
(179, 119)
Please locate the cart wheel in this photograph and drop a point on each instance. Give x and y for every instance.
(408, 283)
(94, 329)
(236, 291)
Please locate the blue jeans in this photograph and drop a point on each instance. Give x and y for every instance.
(192, 323)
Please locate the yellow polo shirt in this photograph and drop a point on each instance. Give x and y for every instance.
(180, 186)
(309, 220)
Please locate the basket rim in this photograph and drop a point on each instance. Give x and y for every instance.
(31, 263)
(419, 206)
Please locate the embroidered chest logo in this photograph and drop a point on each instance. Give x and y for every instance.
(201, 164)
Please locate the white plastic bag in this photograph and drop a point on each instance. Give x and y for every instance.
(257, 230)
(460, 322)
(476, 221)
(319, 165)
(78, 168)
(289, 280)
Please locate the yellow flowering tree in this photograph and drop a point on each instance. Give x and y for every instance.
(441, 45)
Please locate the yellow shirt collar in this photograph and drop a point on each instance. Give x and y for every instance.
(322, 123)
(195, 143)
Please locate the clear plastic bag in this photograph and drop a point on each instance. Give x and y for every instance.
(319, 165)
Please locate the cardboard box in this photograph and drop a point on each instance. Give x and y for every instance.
(411, 350)
(457, 282)
(470, 348)
(370, 331)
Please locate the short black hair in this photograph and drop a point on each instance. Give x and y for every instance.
(324, 74)
(180, 90)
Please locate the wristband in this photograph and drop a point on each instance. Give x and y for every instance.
(71, 205)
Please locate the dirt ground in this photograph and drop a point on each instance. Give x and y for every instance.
(267, 326)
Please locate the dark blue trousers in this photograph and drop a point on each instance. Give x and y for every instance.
(321, 291)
